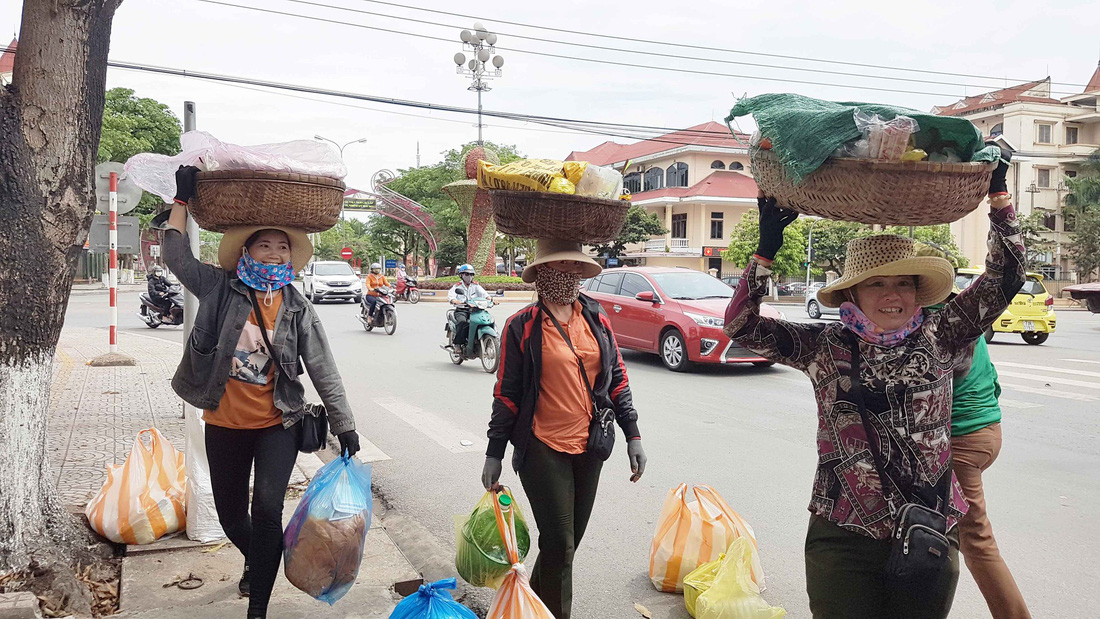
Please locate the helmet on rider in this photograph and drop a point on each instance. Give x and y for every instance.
(156, 270)
(375, 267)
(466, 273)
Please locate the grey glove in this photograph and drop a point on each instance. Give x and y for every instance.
(491, 473)
(637, 458)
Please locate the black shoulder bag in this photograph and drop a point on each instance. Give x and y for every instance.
(314, 422)
(601, 430)
(919, 546)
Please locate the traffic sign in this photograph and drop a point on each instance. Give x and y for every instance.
(129, 194)
(99, 235)
(391, 263)
(346, 253)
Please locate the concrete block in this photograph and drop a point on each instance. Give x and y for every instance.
(22, 605)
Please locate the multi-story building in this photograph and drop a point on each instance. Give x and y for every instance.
(1051, 139)
(696, 180)
(7, 64)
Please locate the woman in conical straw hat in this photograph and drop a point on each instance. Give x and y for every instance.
(543, 405)
(884, 437)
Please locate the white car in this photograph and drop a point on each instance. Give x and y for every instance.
(322, 281)
(814, 308)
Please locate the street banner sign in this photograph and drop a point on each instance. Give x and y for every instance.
(129, 194)
(391, 263)
(346, 253)
(359, 204)
(99, 235)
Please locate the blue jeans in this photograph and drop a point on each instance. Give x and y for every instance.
(372, 303)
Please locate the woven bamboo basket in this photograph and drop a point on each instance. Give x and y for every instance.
(539, 215)
(249, 197)
(870, 191)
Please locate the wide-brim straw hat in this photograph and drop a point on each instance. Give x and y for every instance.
(552, 250)
(887, 255)
(229, 252)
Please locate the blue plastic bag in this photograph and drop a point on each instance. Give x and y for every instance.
(432, 601)
(323, 542)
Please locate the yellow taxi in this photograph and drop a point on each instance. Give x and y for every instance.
(1031, 313)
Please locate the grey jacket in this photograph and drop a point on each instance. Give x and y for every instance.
(224, 306)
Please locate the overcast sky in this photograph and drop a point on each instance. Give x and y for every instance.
(1011, 40)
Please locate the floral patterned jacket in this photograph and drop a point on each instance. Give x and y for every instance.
(906, 389)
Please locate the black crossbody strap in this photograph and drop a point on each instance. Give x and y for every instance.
(580, 363)
(263, 329)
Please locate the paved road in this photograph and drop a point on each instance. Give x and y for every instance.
(749, 432)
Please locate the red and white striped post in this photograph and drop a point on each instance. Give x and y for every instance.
(112, 243)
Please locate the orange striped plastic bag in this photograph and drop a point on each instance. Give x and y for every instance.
(691, 534)
(143, 499)
(515, 599)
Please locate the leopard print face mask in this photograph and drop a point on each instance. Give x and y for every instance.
(557, 287)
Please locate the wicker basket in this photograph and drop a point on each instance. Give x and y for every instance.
(538, 215)
(248, 197)
(870, 191)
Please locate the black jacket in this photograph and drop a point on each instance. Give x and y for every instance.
(517, 388)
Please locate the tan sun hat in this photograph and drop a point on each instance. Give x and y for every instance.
(229, 252)
(886, 255)
(551, 250)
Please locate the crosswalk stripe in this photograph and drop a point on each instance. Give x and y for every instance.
(441, 430)
(1043, 368)
(1082, 361)
(1050, 379)
(1007, 403)
(1050, 393)
(369, 452)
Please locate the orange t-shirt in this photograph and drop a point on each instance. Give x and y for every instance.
(375, 281)
(564, 408)
(249, 401)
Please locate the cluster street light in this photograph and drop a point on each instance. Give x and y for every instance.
(483, 64)
(343, 230)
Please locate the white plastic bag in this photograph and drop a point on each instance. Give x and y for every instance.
(887, 139)
(157, 173)
(202, 516)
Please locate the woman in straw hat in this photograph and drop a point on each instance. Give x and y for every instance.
(882, 377)
(543, 404)
(248, 388)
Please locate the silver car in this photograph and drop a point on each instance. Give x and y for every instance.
(814, 308)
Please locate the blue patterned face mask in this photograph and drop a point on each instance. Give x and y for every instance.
(264, 277)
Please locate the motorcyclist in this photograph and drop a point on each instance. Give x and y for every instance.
(375, 280)
(460, 294)
(159, 288)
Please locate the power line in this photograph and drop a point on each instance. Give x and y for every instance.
(657, 54)
(707, 48)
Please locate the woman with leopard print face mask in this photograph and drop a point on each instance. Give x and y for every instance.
(543, 406)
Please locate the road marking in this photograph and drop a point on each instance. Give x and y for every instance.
(1043, 368)
(368, 452)
(437, 428)
(1006, 403)
(1050, 393)
(1082, 361)
(1051, 379)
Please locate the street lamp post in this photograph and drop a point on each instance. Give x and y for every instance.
(343, 230)
(480, 42)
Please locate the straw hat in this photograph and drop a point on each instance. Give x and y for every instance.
(552, 250)
(229, 252)
(885, 255)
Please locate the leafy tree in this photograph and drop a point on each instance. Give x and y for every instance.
(938, 236)
(348, 233)
(1085, 250)
(133, 125)
(1032, 229)
(746, 236)
(830, 241)
(510, 247)
(639, 227)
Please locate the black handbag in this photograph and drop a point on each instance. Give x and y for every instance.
(314, 422)
(601, 430)
(919, 549)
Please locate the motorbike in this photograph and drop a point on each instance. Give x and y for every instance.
(407, 290)
(482, 341)
(385, 315)
(154, 315)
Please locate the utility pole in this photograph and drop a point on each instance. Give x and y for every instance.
(482, 43)
(343, 228)
(190, 302)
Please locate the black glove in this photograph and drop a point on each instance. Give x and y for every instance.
(186, 184)
(773, 219)
(349, 442)
(998, 184)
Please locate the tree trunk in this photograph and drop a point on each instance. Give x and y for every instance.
(50, 119)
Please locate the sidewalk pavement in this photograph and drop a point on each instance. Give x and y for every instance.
(95, 415)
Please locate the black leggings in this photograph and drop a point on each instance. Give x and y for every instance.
(259, 538)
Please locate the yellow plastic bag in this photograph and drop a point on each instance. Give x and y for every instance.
(143, 498)
(699, 581)
(734, 594)
(691, 534)
(515, 599)
(547, 175)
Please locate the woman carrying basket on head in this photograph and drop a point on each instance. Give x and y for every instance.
(241, 366)
(882, 377)
(560, 369)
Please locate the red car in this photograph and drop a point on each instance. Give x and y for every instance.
(676, 313)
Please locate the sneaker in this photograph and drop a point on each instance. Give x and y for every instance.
(243, 585)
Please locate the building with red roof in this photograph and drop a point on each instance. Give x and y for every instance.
(1051, 140)
(7, 63)
(696, 180)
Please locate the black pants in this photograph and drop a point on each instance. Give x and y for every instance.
(845, 577)
(462, 326)
(259, 537)
(372, 303)
(562, 489)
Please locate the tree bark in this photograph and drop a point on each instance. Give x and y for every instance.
(50, 118)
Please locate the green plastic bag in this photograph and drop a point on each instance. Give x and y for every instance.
(734, 594)
(699, 580)
(481, 557)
